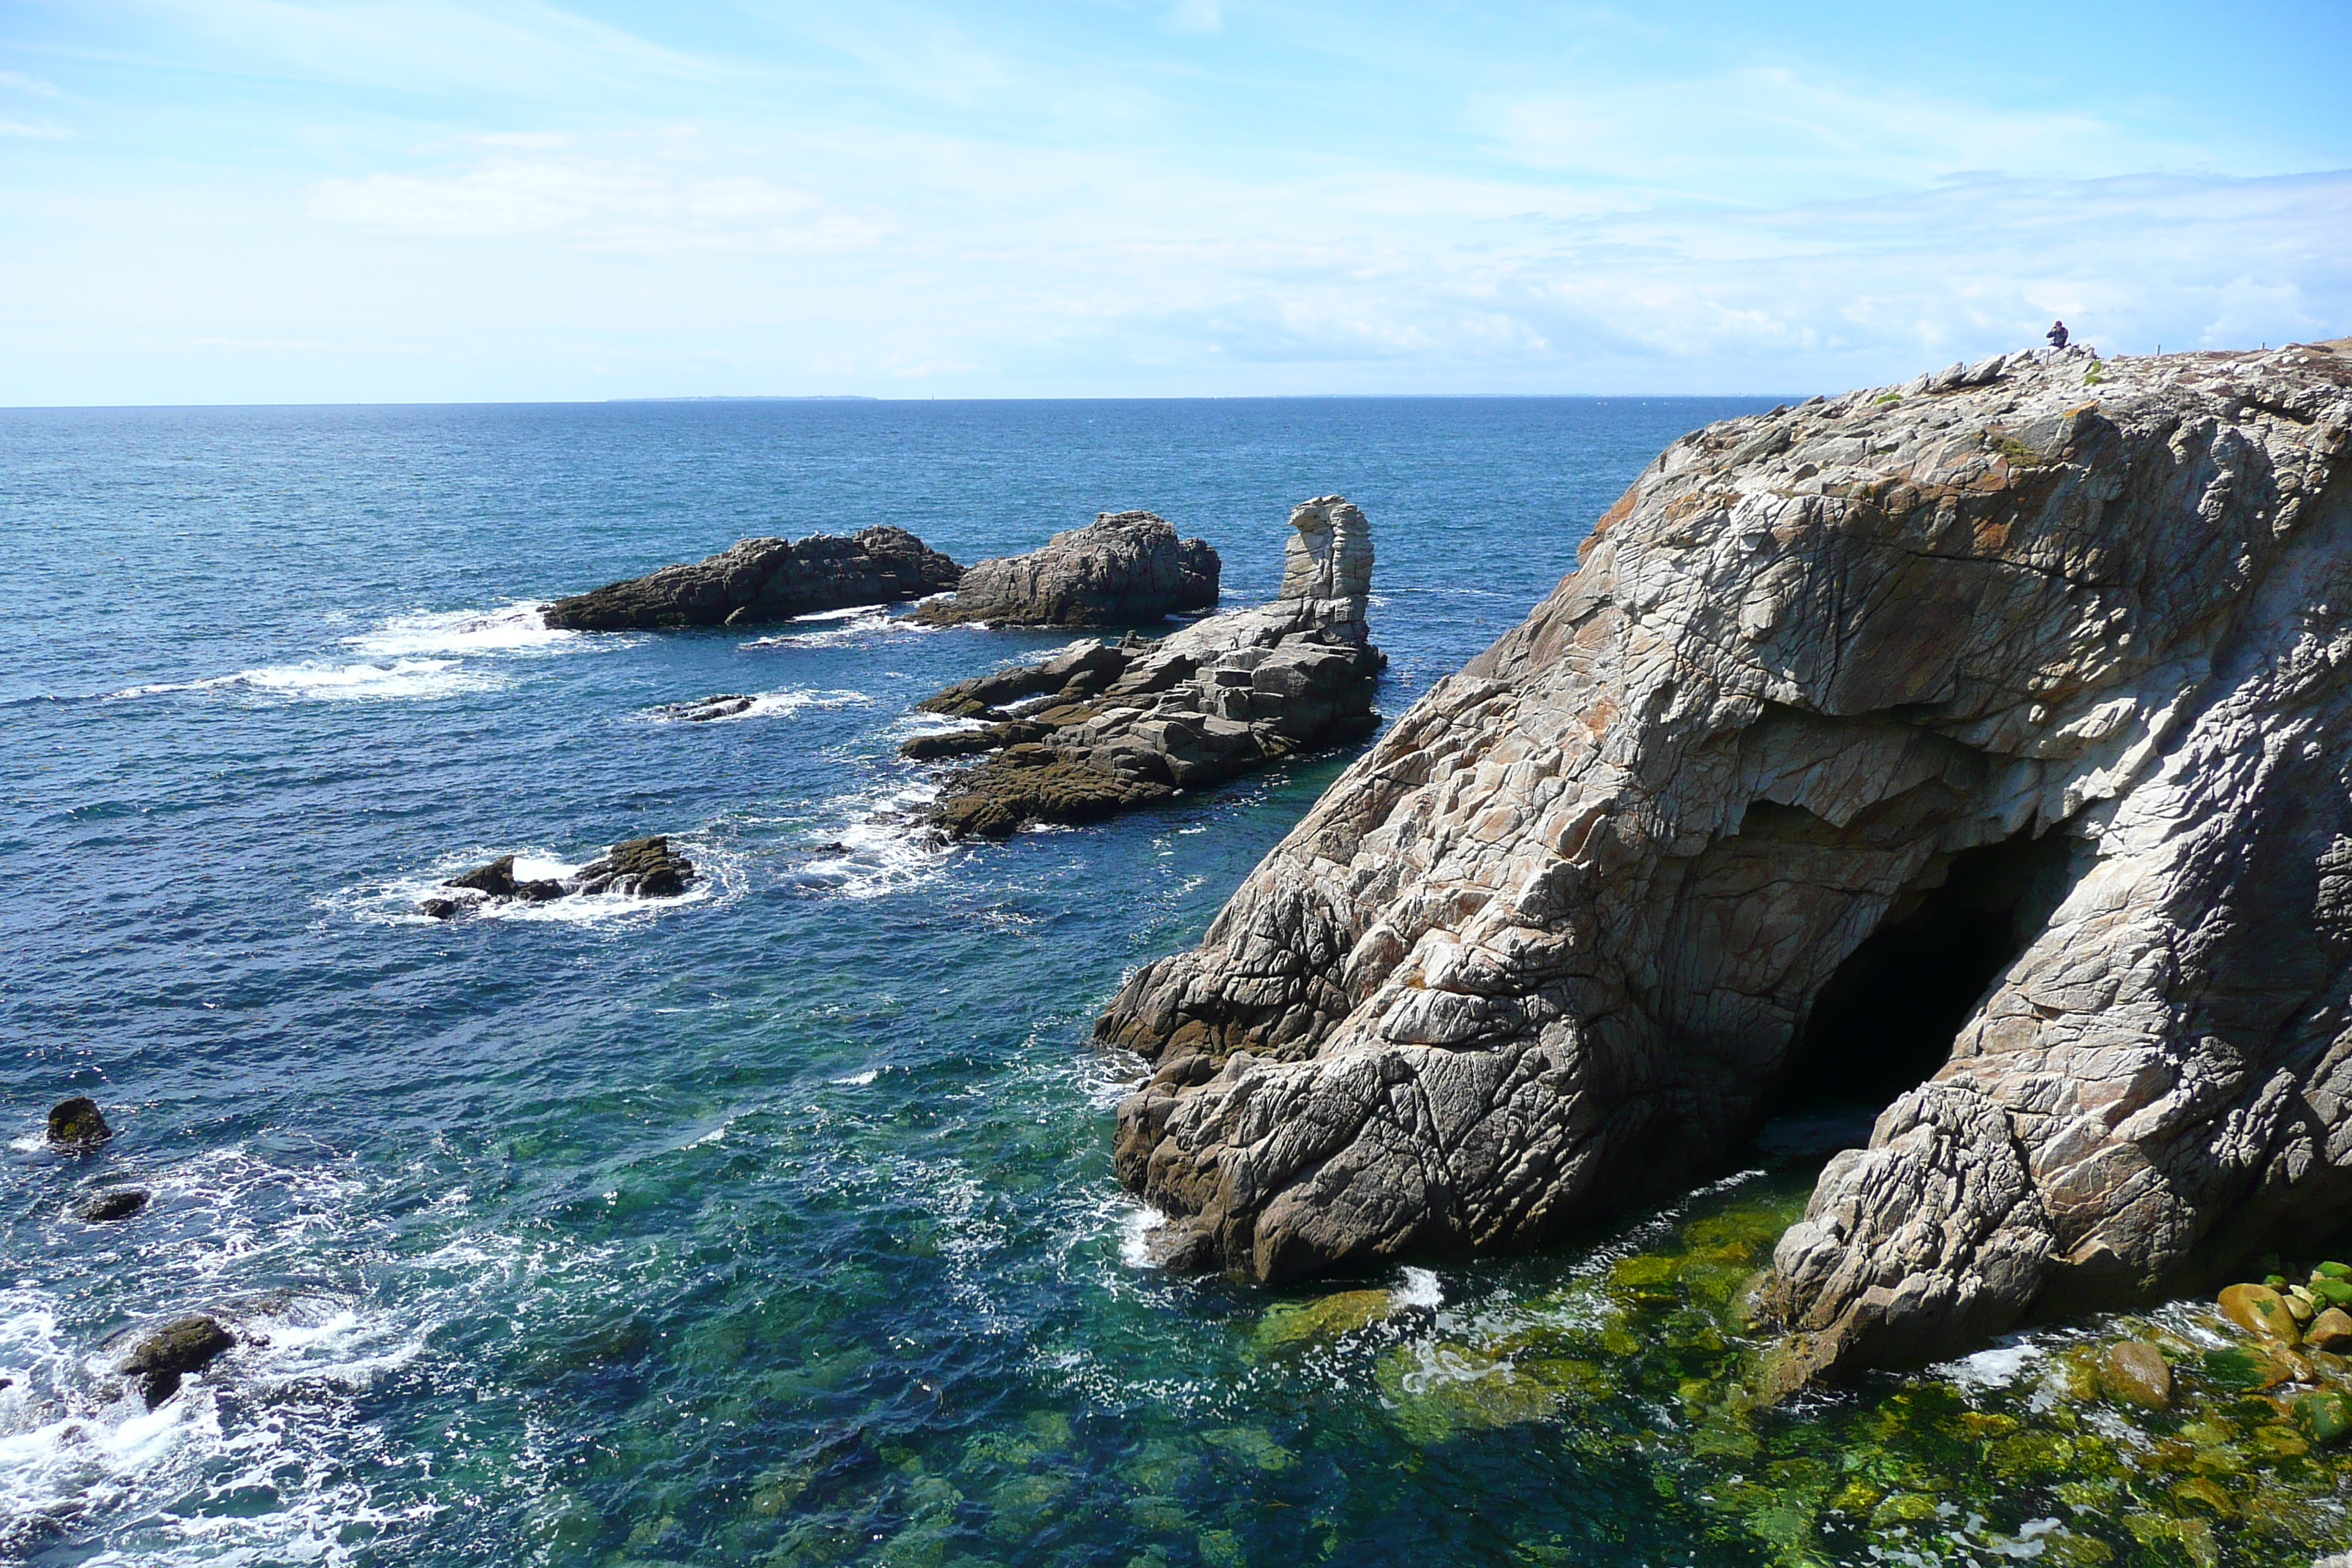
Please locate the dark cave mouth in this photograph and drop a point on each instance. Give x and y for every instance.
(1885, 1020)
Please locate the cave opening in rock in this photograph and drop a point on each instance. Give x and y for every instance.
(1885, 1020)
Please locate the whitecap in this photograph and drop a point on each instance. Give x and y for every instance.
(513, 627)
(777, 704)
(405, 678)
(860, 1080)
(1420, 1288)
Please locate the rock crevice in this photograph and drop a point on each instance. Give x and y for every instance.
(1547, 948)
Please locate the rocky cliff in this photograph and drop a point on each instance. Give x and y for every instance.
(1125, 568)
(1999, 718)
(1103, 726)
(766, 580)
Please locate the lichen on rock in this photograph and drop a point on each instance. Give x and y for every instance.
(1553, 943)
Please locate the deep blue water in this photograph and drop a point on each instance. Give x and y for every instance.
(776, 1225)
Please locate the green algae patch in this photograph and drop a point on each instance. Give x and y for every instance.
(1291, 1324)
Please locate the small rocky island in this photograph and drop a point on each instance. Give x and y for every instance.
(1103, 726)
(636, 868)
(1124, 569)
(765, 580)
(1988, 737)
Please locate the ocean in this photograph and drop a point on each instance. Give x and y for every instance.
(776, 1224)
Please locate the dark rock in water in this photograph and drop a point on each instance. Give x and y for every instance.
(766, 580)
(640, 867)
(1100, 727)
(120, 1204)
(645, 867)
(2046, 655)
(725, 706)
(164, 1355)
(77, 1123)
(498, 880)
(1125, 568)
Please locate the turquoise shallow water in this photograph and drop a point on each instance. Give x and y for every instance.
(776, 1225)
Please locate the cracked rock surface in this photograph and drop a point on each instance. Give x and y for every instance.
(1125, 568)
(1099, 727)
(1548, 948)
(765, 580)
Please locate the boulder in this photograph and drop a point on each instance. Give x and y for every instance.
(2036, 684)
(1101, 727)
(1125, 568)
(2135, 1373)
(120, 1204)
(2259, 1309)
(765, 580)
(639, 867)
(2330, 1330)
(77, 1123)
(702, 711)
(161, 1357)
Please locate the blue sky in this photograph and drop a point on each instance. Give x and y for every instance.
(360, 200)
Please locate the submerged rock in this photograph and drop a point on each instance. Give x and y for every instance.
(1125, 568)
(120, 1204)
(766, 580)
(2135, 1373)
(163, 1356)
(2044, 659)
(77, 1123)
(1100, 727)
(702, 711)
(640, 867)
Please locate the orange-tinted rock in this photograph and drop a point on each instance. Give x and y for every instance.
(2133, 1372)
(2259, 1309)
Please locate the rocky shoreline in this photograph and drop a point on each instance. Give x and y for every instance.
(2043, 651)
(1102, 727)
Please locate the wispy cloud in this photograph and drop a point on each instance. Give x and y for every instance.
(17, 81)
(43, 131)
(1193, 17)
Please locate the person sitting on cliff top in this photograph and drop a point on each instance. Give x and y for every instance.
(2056, 334)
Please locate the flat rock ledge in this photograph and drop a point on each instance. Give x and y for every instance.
(1100, 727)
(1124, 569)
(2055, 646)
(638, 867)
(765, 580)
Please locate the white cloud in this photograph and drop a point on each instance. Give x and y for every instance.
(43, 131)
(17, 81)
(1758, 134)
(1193, 17)
(589, 201)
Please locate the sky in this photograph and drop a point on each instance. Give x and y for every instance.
(299, 201)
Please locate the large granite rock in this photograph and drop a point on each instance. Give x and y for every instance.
(1099, 727)
(2024, 683)
(766, 580)
(1125, 568)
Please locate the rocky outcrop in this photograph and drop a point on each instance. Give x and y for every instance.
(2025, 684)
(1100, 727)
(77, 1123)
(1124, 569)
(765, 580)
(639, 867)
(121, 1203)
(163, 1356)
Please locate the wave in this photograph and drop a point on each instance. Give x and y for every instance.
(407, 677)
(780, 703)
(718, 875)
(514, 627)
(863, 622)
(888, 844)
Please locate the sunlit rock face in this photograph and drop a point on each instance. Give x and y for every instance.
(2011, 701)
